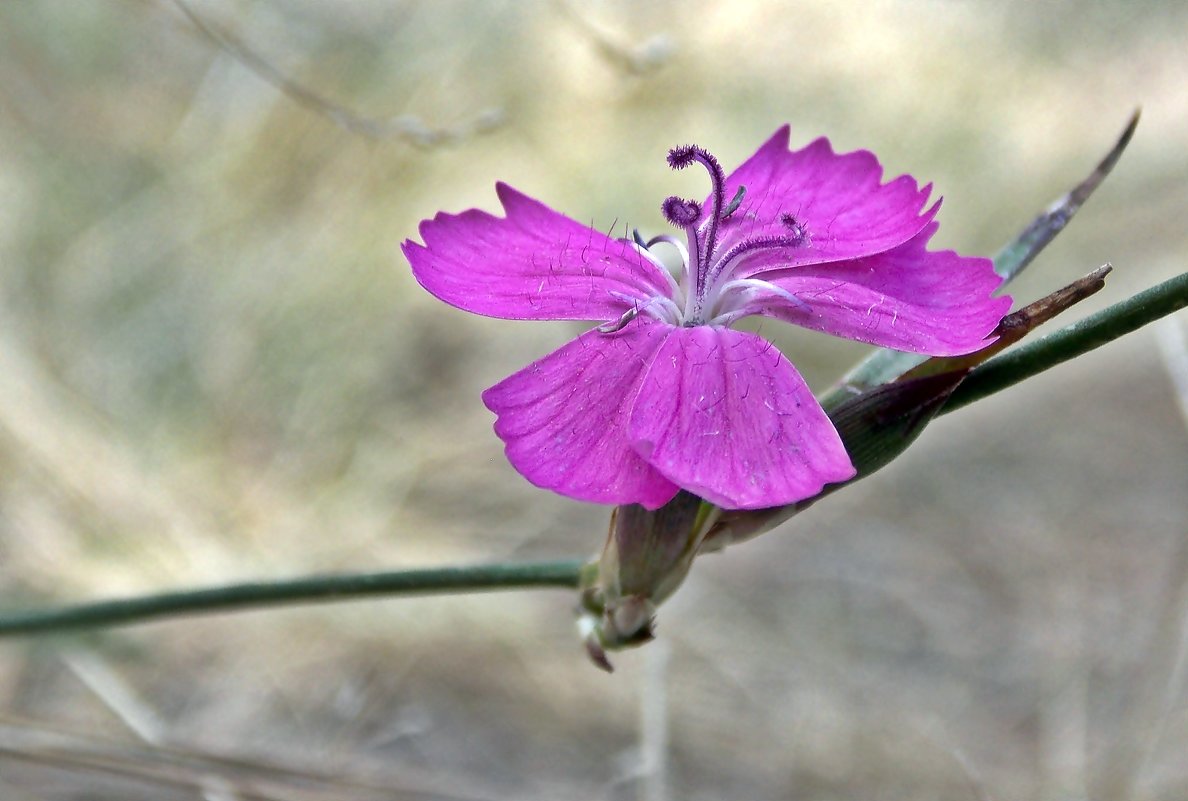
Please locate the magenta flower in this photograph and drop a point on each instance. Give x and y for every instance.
(663, 394)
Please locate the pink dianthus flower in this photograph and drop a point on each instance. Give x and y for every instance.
(663, 395)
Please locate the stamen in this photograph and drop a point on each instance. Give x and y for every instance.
(657, 307)
(669, 239)
(675, 287)
(734, 203)
(759, 285)
(730, 308)
(663, 309)
(612, 326)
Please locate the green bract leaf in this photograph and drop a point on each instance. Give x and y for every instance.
(885, 365)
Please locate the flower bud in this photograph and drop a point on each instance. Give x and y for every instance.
(647, 555)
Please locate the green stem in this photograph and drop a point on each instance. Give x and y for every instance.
(562, 574)
(1081, 337)
(997, 374)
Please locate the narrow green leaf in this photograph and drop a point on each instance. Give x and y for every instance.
(885, 365)
(1011, 260)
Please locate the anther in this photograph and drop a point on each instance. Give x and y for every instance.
(799, 230)
(612, 326)
(734, 203)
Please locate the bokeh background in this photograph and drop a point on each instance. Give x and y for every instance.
(215, 366)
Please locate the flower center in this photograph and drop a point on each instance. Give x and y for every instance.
(712, 294)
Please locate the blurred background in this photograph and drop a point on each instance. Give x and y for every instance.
(215, 366)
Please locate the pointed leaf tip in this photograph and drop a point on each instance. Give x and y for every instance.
(1013, 258)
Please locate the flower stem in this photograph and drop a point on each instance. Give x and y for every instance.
(561, 574)
(996, 374)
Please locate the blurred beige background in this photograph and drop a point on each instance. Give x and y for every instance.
(214, 365)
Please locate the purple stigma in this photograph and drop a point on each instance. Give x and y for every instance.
(681, 213)
(681, 157)
(702, 248)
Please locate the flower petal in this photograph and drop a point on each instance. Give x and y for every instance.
(838, 199)
(533, 264)
(908, 298)
(564, 417)
(723, 414)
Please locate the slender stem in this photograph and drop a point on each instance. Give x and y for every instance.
(561, 574)
(1081, 337)
(997, 374)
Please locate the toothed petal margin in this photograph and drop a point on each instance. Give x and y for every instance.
(909, 298)
(533, 264)
(840, 199)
